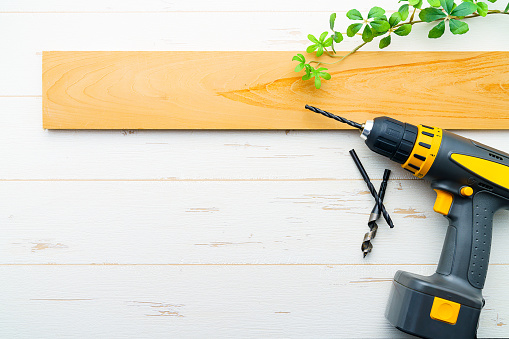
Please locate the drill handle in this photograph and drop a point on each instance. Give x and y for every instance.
(467, 245)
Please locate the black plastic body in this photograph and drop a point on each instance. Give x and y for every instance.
(463, 263)
(392, 138)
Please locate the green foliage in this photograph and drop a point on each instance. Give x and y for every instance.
(376, 12)
(317, 74)
(431, 14)
(384, 42)
(403, 30)
(332, 20)
(354, 14)
(482, 8)
(437, 31)
(464, 9)
(415, 3)
(404, 11)
(458, 27)
(374, 24)
(319, 44)
(368, 34)
(353, 29)
(380, 26)
(302, 62)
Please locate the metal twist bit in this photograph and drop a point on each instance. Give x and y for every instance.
(335, 117)
(367, 246)
(371, 188)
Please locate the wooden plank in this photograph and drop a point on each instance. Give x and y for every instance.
(209, 301)
(258, 90)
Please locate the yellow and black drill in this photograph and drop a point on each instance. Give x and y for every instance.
(472, 183)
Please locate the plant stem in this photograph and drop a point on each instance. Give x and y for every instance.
(412, 16)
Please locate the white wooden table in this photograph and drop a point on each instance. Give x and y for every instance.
(144, 234)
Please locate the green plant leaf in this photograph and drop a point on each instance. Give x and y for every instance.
(434, 3)
(415, 3)
(492, 1)
(367, 34)
(338, 37)
(325, 75)
(299, 57)
(395, 19)
(437, 31)
(354, 14)
(327, 42)
(319, 51)
(431, 14)
(506, 8)
(312, 38)
(482, 8)
(332, 20)
(447, 5)
(385, 42)
(308, 69)
(380, 26)
(458, 27)
(464, 9)
(318, 82)
(403, 30)
(353, 29)
(302, 62)
(403, 10)
(323, 36)
(306, 77)
(376, 12)
(311, 48)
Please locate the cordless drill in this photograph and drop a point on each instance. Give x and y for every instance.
(472, 183)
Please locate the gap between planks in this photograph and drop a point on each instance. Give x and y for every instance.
(175, 11)
(237, 264)
(200, 180)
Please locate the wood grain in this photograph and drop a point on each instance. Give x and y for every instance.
(258, 90)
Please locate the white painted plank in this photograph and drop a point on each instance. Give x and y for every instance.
(34, 153)
(115, 6)
(271, 31)
(214, 301)
(219, 223)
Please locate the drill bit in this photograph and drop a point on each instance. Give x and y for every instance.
(335, 117)
(371, 188)
(367, 246)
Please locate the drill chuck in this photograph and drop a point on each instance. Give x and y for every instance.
(391, 138)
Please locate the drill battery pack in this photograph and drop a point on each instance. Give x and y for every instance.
(415, 307)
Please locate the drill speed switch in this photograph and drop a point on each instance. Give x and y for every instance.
(472, 183)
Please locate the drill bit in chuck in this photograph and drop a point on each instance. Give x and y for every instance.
(367, 246)
(335, 117)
